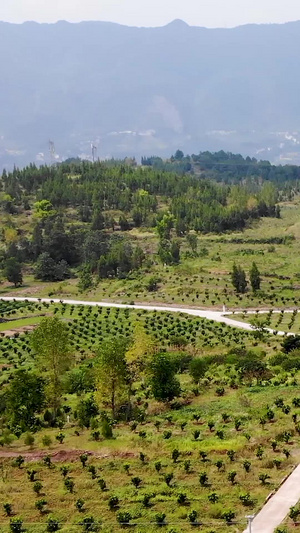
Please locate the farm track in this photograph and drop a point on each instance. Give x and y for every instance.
(277, 508)
(209, 314)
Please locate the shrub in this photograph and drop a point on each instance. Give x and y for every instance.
(69, 484)
(64, 471)
(167, 434)
(246, 499)
(247, 466)
(37, 487)
(19, 461)
(7, 509)
(126, 467)
(157, 466)
(79, 504)
(136, 481)
(60, 437)
(92, 470)
(228, 516)
(263, 478)
(46, 441)
(196, 434)
(219, 464)
(294, 513)
(29, 439)
(40, 505)
(160, 519)
(146, 499)
(89, 524)
(168, 478)
(192, 516)
(203, 479)
(113, 502)
(175, 455)
(187, 465)
(106, 429)
(182, 498)
(232, 476)
(124, 518)
(16, 525)
(102, 484)
(231, 455)
(83, 459)
(52, 525)
(47, 461)
(213, 497)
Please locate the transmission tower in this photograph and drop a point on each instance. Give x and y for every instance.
(94, 152)
(52, 152)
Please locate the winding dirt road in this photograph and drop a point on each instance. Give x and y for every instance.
(209, 314)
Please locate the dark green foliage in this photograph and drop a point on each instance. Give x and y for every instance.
(255, 278)
(86, 410)
(238, 278)
(163, 382)
(79, 504)
(198, 367)
(13, 271)
(89, 524)
(16, 525)
(160, 519)
(40, 505)
(69, 484)
(37, 487)
(228, 516)
(47, 269)
(124, 518)
(113, 502)
(7, 509)
(52, 525)
(290, 343)
(25, 398)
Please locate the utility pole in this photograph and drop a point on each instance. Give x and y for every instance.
(250, 519)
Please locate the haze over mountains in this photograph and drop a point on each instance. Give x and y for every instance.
(143, 91)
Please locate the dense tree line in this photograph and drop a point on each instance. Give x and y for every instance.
(77, 207)
(226, 167)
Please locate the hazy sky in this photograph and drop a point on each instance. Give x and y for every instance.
(210, 13)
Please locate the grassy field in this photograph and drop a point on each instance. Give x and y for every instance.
(109, 458)
(204, 281)
(288, 322)
(224, 420)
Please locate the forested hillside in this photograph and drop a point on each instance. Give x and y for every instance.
(80, 213)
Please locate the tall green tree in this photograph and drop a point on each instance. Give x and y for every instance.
(112, 373)
(50, 342)
(238, 278)
(25, 397)
(164, 384)
(255, 278)
(13, 271)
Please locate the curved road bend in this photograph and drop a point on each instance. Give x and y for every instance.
(217, 316)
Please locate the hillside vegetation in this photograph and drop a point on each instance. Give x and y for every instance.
(122, 418)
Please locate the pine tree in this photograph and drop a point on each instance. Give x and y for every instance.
(238, 278)
(255, 278)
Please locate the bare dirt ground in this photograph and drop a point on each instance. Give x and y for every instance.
(60, 456)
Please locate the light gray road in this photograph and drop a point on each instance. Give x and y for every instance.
(277, 508)
(217, 316)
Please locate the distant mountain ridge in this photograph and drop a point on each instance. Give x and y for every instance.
(144, 91)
